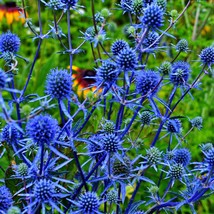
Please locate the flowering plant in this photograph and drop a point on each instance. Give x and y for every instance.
(120, 148)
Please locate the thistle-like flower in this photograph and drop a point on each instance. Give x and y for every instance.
(88, 203)
(126, 60)
(197, 122)
(207, 56)
(9, 42)
(153, 17)
(59, 84)
(42, 129)
(182, 46)
(118, 46)
(5, 199)
(10, 134)
(180, 73)
(182, 156)
(165, 68)
(174, 126)
(176, 171)
(147, 82)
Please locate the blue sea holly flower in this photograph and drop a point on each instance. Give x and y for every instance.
(70, 3)
(153, 17)
(174, 126)
(147, 2)
(118, 46)
(149, 40)
(126, 60)
(180, 73)
(106, 74)
(54, 4)
(10, 134)
(9, 42)
(147, 82)
(176, 171)
(42, 129)
(5, 199)
(126, 5)
(88, 203)
(45, 193)
(111, 143)
(137, 7)
(207, 56)
(182, 156)
(182, 46)
(59, 84)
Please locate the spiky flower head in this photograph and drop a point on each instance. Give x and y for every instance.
(180, 73)
(176, 171)
(147, 2)
(9, 42)
(110, 143)
(59, 84)
(22, 170)
(108, 126)
(127, 59)
(3, 79)
(174, 126)
(118, 46)
(153, 189)
(182, 46)
(42, 129)
(168, 157)
(162, 4)
(182, 156)
(126, 5)
(209, 157)
(165, 68)
(89, 202)
(14, 210)
(150, 39)
(112, 196)
(44, 190)
(153, 155)
(106, 73)
(147, 82)
(137, 7)
(197, 122)
(153, 17)
(55, 4)
(69, 3)
(5, 199)
(121, 169)
(146, 117)
(10, 134)
(207, 56)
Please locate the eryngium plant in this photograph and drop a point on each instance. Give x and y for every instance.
(121, 148)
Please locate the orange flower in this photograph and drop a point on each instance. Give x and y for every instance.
(11, 12)
(82, 80)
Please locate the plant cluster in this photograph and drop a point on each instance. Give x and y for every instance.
(61, 164)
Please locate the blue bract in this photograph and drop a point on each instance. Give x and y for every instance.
(42, 129)
(70, 3)
(9, 42)
(59, 84)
